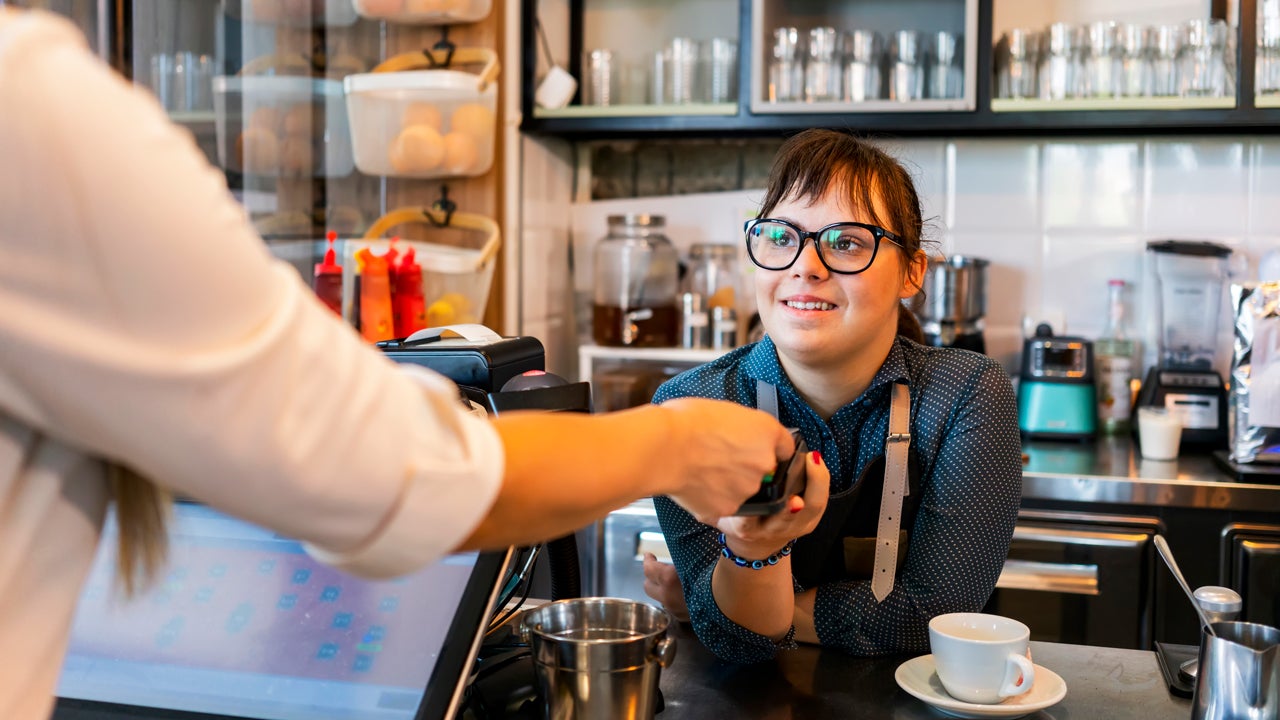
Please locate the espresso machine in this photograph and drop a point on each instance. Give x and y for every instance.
(953, 302)
(1187, 281)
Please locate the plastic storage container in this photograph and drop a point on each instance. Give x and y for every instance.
(425, 123)
(454, 280)
(423, 12)
(279, 126)
(294, 13)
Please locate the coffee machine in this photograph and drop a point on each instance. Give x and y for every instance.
(1187, 280)
(953, 302)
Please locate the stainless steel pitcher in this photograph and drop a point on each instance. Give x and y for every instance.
(599, 658)
(1239, 675)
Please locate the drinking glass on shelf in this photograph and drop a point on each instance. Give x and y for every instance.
(863, 57)
(1100, 60)
(823, 67)
(1202, 60)
(786, 66)
(1058, 63)
(1134, 77)
(906, 66)
(945, 76)
(720, 70)
(1164, 42)
(1268, 63)
(1019, 54)
(600, 75)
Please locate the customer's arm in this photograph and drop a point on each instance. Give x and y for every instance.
(143, 320)
(958, 542)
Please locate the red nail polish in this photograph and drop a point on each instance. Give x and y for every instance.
(817, 457)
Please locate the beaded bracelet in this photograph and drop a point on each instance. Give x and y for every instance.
(754, 564)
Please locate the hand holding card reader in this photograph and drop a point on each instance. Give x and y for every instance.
(777, 488)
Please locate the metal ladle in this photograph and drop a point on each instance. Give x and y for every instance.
(1167, 555)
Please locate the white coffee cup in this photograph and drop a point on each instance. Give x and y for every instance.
(556, 89)
(981, 658)
(1159, 433)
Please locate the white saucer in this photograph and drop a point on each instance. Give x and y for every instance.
(918, 677)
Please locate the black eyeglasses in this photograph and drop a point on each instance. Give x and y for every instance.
(846, 248)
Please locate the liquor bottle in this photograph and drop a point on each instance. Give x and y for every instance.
(1114, 355)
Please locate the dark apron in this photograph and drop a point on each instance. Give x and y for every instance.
(842, 547)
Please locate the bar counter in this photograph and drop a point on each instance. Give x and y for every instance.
(1111, 470)
(810, 682)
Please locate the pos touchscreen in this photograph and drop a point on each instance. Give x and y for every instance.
(244, 624)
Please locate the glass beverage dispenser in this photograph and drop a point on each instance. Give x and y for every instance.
(1188, 279)
(636, 277)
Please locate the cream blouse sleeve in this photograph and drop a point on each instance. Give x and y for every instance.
(142, 318)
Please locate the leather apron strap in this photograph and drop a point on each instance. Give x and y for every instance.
(896, 448)
(895, 489)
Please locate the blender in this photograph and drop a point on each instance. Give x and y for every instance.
(1188, 279)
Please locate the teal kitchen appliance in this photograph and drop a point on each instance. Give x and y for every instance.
(1056, 395)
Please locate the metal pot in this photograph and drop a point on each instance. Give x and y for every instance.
(955, 290)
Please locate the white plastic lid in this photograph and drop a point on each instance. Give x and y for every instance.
(445, 84)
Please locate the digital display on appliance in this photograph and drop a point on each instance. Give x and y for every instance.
(244, 623)
(1055, 358)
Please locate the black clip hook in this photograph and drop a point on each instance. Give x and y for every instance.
(444, 44)
(443, 205)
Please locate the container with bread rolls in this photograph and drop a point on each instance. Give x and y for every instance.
(434, 123)
(423, 12)
(293, 13)
(282, 126)
(453, 269)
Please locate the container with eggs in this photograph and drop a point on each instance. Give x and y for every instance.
(280, 126)
(424, 123)
(423, 12)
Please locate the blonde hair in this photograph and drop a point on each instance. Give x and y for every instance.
(142, 516)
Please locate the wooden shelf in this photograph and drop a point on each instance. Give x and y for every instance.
(1163, 104)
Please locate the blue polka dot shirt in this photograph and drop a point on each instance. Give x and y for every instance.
(964, 431)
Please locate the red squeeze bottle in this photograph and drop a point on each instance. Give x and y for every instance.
(375, 296)
(328, 278)
(408, 304)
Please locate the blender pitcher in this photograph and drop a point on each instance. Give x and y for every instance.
(1187, 280)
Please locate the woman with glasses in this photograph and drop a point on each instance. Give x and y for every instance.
(914, 474)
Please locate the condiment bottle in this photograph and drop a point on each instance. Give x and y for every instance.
(328, 277)
(408, 305)
(375, 296)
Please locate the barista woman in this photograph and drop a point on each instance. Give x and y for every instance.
(915, 475)
(146, 332)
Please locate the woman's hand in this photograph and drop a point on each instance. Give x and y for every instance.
(758, 537)
(721, 452)
(663, 584)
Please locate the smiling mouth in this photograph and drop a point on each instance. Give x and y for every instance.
(809, 305)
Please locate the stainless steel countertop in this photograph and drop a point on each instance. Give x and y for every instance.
(1110, 470)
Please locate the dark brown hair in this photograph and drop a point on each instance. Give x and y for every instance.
(811, 162)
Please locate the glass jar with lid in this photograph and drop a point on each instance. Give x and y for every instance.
(636, 279)
(713, 274)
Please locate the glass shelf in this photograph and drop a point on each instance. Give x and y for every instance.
(1092, 104)
(613, 111)
(1267, 101)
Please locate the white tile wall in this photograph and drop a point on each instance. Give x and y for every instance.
(1056, 218)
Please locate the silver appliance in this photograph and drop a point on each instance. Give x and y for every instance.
(953, 302)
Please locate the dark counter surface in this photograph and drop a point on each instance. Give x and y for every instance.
(813, 683)
(1111, 470)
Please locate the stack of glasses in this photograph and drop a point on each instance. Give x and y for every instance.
(1109, 59)
(829, 65)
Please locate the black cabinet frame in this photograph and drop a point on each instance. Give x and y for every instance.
(1245, 117)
